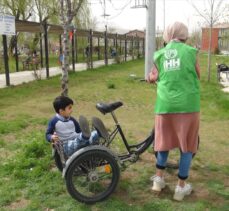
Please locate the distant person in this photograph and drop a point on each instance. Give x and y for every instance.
(61, 59)
(65, 128)
(113, 52)
(176, 71)
(87, 51)
(34, 54)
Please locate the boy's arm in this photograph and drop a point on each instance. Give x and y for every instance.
(50, 130)
(77, 126)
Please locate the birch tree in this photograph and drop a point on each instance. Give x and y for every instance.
(68, 10)
(212, 13)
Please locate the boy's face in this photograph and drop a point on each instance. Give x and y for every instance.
(67, 111)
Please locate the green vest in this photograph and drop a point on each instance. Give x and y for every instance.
(178, 83)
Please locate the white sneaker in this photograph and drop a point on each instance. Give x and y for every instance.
(180, 192)
(158, 183)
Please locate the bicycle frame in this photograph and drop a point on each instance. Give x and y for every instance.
(132, 149)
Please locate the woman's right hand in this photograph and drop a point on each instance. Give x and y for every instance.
(153, 75)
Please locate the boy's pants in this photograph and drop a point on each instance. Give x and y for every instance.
(79, 142)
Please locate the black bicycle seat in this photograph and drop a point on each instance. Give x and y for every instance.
(106, 108)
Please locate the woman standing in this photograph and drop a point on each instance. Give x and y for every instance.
(177, 108)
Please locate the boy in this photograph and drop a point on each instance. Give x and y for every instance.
(63, 127)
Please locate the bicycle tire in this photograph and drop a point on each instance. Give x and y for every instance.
(87, 170)
(144, 146)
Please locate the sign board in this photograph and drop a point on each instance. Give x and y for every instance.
(7, 24)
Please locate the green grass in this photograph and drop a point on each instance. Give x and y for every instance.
(30, 181)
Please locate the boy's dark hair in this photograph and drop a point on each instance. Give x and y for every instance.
(61, 102)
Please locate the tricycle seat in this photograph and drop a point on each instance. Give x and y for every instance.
(107, 108)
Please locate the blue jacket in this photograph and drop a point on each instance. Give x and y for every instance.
(66, 129)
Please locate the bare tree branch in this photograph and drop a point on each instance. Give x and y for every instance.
(77, 8)
(211, 14)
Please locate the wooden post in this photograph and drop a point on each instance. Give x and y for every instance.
(91, 49)
(120, 47)
(138, 52)
(60, 44)
(125, 47)
(16, 54)
(76, 48)
(105, 50)
(41, 51)
(98, 49)
(46, 49)
(116, 43)
(132, 46)
(6, 60)
(73, 50)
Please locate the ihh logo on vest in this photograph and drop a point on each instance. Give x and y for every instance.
(172, 62)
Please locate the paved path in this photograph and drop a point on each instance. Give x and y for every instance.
(26, 76)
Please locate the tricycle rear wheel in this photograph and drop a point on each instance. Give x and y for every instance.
(92, 176)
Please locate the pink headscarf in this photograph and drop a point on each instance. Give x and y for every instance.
(175, 31)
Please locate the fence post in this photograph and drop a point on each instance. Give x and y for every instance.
(120, 48)
(46, 49)
(6, 60)
(76, 47)
(73, 50)
(125, 47)
(98, 49)
(41, 51)
(105, 50)
(91, 49)
(138, 52)
(116, 43)
(60, 44)
(16, 54)
(132, 46)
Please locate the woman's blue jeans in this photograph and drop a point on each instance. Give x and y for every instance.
(184, 165)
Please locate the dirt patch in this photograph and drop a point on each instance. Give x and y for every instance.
(5, 154)
(23, 203)
(9, 137)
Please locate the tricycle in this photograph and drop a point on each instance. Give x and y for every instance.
(92, 173)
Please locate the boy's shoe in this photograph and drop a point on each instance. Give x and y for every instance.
(100, 128)
(181, 192)
(84, 126)
(158, 183)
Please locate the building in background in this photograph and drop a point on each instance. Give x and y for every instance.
(136, 33)
(220, 38)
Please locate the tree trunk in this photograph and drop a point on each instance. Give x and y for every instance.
(65, 63)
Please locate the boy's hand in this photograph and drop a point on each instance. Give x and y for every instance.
(54, 138)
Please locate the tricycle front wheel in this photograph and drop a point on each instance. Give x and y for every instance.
(92, 176)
